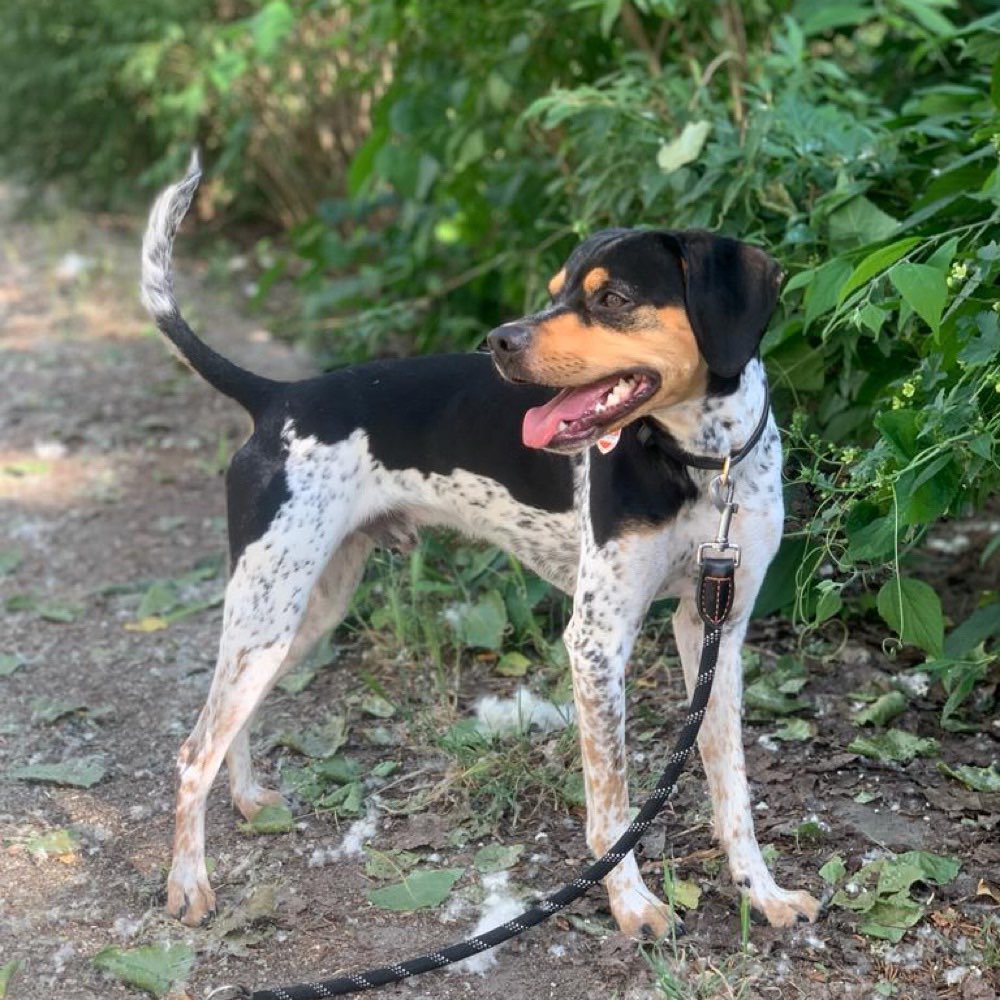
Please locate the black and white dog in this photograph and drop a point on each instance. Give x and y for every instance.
(651, 336)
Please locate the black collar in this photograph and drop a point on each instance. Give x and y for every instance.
(654, 436)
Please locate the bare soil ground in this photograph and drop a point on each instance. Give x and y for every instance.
(110, 479)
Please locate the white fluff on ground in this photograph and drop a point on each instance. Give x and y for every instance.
(523, 713)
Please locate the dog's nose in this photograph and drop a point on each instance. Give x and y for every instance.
(510, 339)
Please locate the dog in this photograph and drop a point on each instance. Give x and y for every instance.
(651, 339)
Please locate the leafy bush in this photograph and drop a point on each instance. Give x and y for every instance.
(109, 97)
(858, 141)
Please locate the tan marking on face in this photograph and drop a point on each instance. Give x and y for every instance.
(565, 352)
(594, 280)
(556, 283)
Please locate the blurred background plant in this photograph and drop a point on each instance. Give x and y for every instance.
(421, 168)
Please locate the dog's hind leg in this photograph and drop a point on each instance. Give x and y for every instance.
(266, 607)
(327, 605)
(721, 745)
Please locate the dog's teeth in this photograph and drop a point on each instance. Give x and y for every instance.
(563, 425)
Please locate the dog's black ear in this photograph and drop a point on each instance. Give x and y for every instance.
(731, 289)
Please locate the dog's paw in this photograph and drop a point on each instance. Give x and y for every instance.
(190, 904)
(786, 909)
(643, 917)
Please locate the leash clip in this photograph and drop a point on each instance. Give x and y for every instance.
(721, 490)
(232, 992)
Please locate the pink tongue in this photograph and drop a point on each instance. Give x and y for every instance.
(541, 423)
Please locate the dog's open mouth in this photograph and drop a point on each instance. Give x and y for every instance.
(578, 416)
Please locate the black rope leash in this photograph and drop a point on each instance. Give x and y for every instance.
(717, 562)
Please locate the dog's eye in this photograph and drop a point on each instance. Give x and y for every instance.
(611, 300)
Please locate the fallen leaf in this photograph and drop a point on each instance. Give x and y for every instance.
(9, 662)
(270, 820)
(977, 779)
(59, 843)
(44, 710)
(512, 665)
(152, 968)
(10, 559)
(986, 889)
(377, 706)
(894, 745)
(260, 906)
(496, 857)
(388, 864)
(83, 772)
(6, 974)
(795, 730)
(883, 710)
(418, 891)
(297, 682)
(153, 623)
(834, 870)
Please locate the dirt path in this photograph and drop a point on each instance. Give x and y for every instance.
(110, 480)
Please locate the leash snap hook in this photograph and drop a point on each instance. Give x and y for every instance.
(722, 489)
(231, 992)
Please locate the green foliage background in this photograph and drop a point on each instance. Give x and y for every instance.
(426, 166)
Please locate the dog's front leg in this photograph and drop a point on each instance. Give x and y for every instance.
(721, 745)
(599, 640)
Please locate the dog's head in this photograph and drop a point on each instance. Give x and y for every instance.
(638, 320)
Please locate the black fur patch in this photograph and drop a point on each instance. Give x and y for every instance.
(635, 483)
(438, 414)
(256, 487)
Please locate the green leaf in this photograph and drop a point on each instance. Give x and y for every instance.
(872, 541)
(795, 731)
(297, 682)
(497, 857)
(384, 865)
(44, 710)
(923, 289)
(377, 706)
(829, 604)
(153, 968)
(270, 26)
(937, 868)
(979, 779)
(981, 625)
(418, 891)
(7, 971)
(894, 745)
(320, 741)
(858, 222)
(913, 610)
(876, 262)
(10, 559)
(883, 710)
(900, 429)
(81, 773)
(834, 870)
(482, 624)
(513, 665)
(58, 842)
(682, 893)
(686, 148)
(821, 294)
(270, 820)
(59, 612)
(9, 662)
